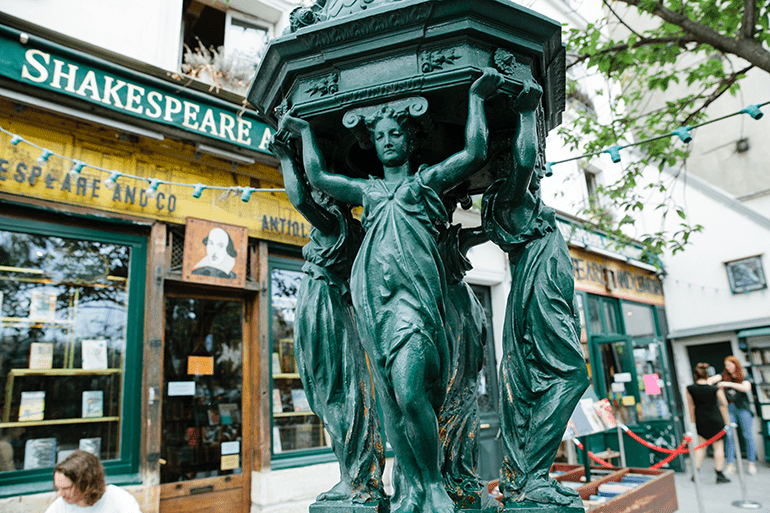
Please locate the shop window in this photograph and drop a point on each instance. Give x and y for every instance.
(70, 348)
(651, 373)
(638, 319)
(222, 47)
(296, 430)
(602, 315)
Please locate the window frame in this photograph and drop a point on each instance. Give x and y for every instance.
(300, 457)
(124, 470)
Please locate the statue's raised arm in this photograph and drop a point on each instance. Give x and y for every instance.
(461, 165)
(298, 190)
(341, 187)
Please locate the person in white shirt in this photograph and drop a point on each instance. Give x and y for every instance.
(79, 481)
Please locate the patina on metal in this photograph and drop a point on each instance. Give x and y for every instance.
(406, 107)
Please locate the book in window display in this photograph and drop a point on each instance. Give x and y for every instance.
(299, 400)
(93, 404)
(39, 453)
(42, 305)
(94, 354)
(229, 414)
(277, 405)
(41, 355)
(32, 406)
(92, 445)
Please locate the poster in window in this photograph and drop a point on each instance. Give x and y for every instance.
(214, 253)
(32, 406)
(41, 355)
(746, 275)
(93, 354)
(42, 305)
(93, 404)
(92, 445)
(39, 453)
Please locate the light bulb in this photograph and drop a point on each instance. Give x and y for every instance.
(112, 180)
(198, 190)
(75, 171)
(152, 190)
(246, 193)
(43, 158)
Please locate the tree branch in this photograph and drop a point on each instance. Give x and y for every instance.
(748, 49)
(607, 4)
(749, 19)
(624, 46)
(723, 87)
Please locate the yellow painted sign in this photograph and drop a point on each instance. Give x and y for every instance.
(600, 275)
(267, 215)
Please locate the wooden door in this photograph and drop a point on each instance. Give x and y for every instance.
(205, 453)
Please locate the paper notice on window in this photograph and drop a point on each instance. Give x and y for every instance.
(622, 377)
(181, 388)
(629, 400)
(618, 388)
(651, 385)
(230, 461)
(200, 365)
(231, 447)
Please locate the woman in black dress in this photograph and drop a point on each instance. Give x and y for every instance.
(708, 410)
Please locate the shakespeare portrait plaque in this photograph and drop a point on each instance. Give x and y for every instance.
(214, 253)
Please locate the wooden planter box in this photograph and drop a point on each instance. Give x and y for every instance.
(655, 496)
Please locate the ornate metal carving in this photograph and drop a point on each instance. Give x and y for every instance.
(323, 86)
(355, 120)
(436, 59)
(358, 28)
(413, 84)
(506, 62)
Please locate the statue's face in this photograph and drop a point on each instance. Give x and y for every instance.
(391, 142)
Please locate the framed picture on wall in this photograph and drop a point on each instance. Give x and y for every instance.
(746, 274)
(214, 253)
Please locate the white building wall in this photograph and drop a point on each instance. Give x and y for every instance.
(696, 286)
(146, 30)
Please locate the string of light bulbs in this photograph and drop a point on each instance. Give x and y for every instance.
(683, 132)
(153, 183)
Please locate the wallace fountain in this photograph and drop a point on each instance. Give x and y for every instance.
(406, 108)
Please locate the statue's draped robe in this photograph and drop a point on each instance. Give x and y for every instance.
(332, 362)
(543, 372)
(459, 418)
(398, 283)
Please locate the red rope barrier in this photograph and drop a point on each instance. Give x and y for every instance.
(672, 453)
(594, 457)
(679, 450)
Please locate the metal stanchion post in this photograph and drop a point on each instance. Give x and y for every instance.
(621, 447)
(743, 503)
(695, 476)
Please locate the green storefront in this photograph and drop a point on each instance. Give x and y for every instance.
(623, 335)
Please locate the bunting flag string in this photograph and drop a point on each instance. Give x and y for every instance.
(152, 183)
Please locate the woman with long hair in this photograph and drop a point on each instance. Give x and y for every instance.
(708, 411)
(736, 387)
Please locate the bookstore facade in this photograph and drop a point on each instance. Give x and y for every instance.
(624, 329)
(147, 284)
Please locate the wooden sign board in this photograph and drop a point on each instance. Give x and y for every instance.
(214, 253)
